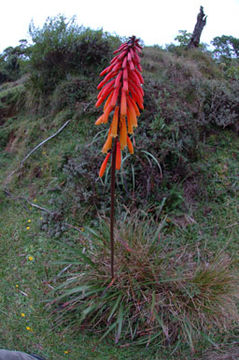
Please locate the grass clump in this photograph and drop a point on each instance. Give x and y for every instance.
(160, 293)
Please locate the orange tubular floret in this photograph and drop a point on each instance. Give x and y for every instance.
(129, 123)
(103, 166)
(130, 100)
(115, 95)
(123, 133)
(114, 126)
(106, 114)
(123, 104)
(118, 156)
(108, 101)
(130, 145)
(132, 116)
(99, 120)
(108, 144)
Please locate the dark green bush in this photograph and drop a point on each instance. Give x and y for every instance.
(69, 92)
(220, 103)
(61, 48)
(13, 62)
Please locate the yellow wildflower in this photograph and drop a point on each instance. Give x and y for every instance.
(29, 220)
(23, 315)
(17, 286)
(66, 352)
(28, 328)
(28, 227)
(30, 258)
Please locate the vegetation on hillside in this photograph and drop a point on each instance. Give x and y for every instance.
(176, 204)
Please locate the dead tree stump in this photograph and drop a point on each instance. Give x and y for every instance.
(201, 22)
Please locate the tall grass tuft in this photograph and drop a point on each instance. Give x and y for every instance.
(159, 294)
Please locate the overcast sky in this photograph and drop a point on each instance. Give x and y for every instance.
(154, 21)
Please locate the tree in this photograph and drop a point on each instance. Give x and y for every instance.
(62, 48)
(183, 37)
(13, 61)
(201, 22)
(226, 47)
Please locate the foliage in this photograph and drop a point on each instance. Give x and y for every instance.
(183, 37)
(226, 52)
(226, 47)
(13, 62)
(221, 104)
(71, 92)
(12, 101)
(61, 48)
(159, 293)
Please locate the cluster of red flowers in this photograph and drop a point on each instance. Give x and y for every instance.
(122, 90)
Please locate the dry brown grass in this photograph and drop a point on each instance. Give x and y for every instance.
(224, 354)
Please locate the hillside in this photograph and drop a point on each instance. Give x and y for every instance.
(181, 184)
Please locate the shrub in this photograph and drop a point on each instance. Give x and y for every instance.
(13, 62)
(61, 48)
(69, 92)
(12, 100)
(220, 103)
(159, 293)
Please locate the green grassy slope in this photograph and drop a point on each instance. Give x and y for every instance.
(200, 187)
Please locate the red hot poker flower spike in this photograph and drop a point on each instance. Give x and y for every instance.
(121, 90)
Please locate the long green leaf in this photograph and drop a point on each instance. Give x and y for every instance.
(109, 330)
(120, 322)
(155, 160)
(114, 307)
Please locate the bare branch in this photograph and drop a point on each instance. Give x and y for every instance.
(35, 148)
